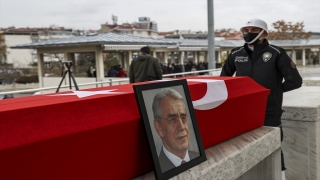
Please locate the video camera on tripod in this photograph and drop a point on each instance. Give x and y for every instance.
(68, 64)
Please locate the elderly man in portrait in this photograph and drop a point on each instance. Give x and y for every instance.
(171, 124)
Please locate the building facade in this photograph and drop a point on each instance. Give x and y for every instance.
(22, 58)
(88, 52)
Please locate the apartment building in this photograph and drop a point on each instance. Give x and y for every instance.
(143, 28)
(22, 58)
(221, 34)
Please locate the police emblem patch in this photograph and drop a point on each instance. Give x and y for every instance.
(266, 56)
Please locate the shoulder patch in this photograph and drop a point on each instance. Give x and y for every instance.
(236, 49)
(293, 65)
(275, 48)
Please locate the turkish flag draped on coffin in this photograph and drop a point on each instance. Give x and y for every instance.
(88, 134)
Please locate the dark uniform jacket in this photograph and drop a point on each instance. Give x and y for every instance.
(268, 65)
(166, 164)
(138, 66)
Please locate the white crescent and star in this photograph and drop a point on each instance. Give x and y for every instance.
(215, 95)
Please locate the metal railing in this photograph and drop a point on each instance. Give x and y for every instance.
(110, 82)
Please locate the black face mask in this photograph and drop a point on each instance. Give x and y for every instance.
(251, 36)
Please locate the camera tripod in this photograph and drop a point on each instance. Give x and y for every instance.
(68, 65)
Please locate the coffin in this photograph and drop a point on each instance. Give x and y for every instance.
(98, 134)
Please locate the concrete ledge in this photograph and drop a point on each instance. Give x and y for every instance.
(233, 158)
(302, 104)
(269, 168)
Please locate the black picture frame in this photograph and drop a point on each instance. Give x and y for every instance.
(145, 94)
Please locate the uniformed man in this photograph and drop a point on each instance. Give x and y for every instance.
(268, 65)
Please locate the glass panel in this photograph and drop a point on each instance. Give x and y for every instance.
(110, 60)
(53, 66)
(85, 65)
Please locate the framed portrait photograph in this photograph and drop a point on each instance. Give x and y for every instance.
(171, 127)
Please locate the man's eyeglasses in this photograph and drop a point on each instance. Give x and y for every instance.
(174, 119)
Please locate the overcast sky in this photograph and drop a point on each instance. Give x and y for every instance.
(169, 14)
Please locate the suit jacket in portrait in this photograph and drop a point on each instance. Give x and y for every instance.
(166, 164)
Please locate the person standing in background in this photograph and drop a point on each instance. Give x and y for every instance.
(145, 67)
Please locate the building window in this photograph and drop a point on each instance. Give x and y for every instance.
(47, 64)
(125, 32)
(34, 57)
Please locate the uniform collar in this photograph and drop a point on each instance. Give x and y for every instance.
(264, 44)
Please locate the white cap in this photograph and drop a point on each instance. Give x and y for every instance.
(256, 23)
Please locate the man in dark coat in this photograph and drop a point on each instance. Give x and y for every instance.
(112, 72)
(145, 67)
(171, 124)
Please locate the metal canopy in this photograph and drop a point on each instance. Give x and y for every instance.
(97, 39)
(115, 41)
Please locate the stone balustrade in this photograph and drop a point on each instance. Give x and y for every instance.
(301, 126)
